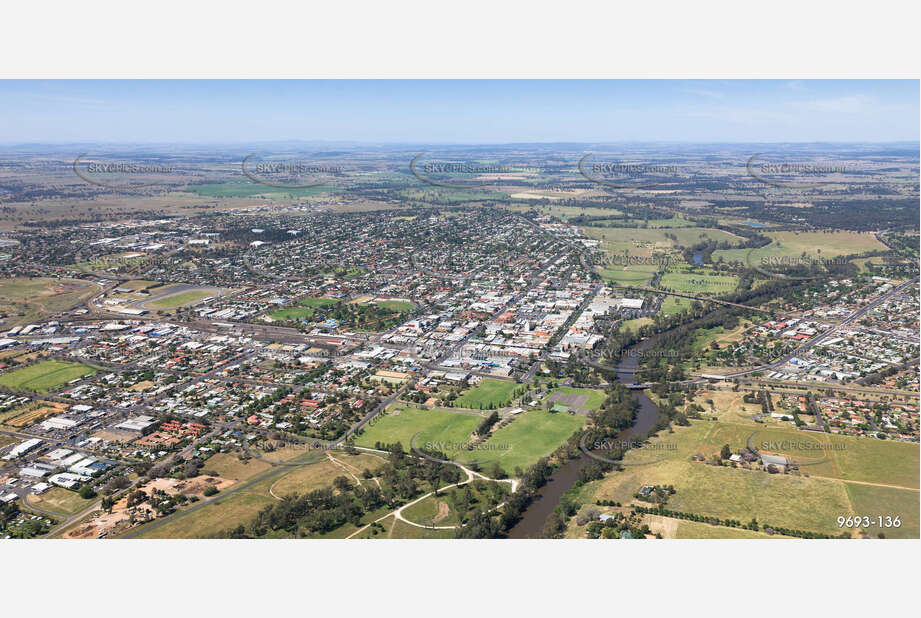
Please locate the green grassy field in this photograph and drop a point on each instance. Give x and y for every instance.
(532, 435)
(697, 283)
(35, 298)
(635, 323)
(45, 376)
(595, 397)
(317, 301)
(182, 298)
(489, 391)
(632, 274)
(872, 502)
(809, 501)
(395, 305)
(675, 304)
(814, 244)
(61, 501)
(292, 313)
(433, 426)
(303, 308)
(643, 241)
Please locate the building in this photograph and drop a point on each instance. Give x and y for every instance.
(22, 448)
(141, 425)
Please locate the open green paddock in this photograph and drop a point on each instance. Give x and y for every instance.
(437, 427)
(810, 500)
(489, 392)
(533, 434)
(813, 244)
(45, 376)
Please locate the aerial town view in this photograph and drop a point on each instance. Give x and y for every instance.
(471, 310)
(569, 340)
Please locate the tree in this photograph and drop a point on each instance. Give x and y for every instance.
(725, 452)
(87, 492)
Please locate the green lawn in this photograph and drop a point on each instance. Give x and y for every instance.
(292, 313)
(45, 376)
(433, 426)
(182, 298)
(488, 391)
(595, 397)
(697, 283)
(60, 500)
(814, 244)
(533, 434)
(395, 305)
(675, 304)
(317, 301)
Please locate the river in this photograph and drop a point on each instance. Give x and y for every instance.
(532, 520)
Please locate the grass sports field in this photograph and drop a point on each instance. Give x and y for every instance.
(488, 392)
(182, 298)
(695, 283)
(675, 304)
(45, 376)
(61, 501)
(395, 305)
(292, 313)
(532, 435)
(572, 397)
(814, 244)
(432, 426)
(302, 309)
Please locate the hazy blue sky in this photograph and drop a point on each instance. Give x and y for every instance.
(480, 111)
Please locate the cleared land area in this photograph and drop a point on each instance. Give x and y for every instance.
(44, 376)
(30, 299)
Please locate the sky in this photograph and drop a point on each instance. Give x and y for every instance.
(458, 111)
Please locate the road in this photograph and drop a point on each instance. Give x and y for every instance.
(805, 346)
